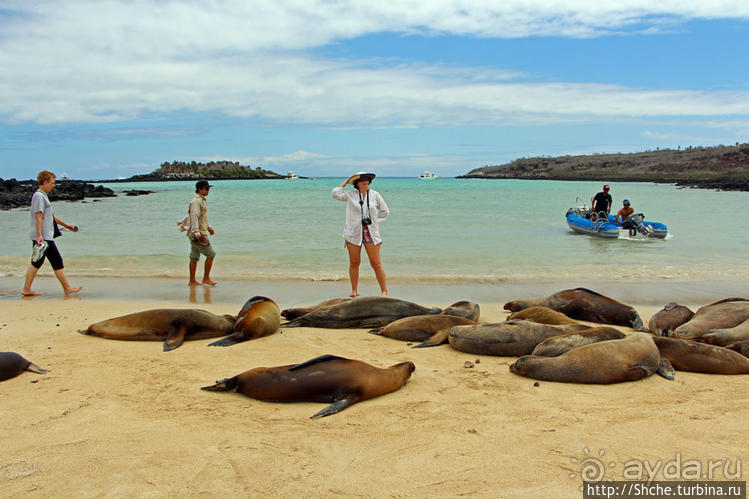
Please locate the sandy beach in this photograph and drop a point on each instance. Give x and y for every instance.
(124, 419)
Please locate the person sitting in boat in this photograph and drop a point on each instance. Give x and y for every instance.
(626, 211)
(602, 202)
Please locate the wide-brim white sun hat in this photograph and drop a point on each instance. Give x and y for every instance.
(361, 175)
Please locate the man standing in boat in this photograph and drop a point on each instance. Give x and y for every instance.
(602, 201)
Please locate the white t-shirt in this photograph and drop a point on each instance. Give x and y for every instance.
(40, 202)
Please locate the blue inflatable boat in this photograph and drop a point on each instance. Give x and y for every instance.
(582, 220)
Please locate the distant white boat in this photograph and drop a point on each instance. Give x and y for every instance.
(63, 176)
(427, 175)
(290, 175)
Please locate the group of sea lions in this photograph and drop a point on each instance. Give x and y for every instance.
(544, 333)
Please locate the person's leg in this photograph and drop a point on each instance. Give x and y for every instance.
(69, 290)
(354, 259)
(207, 272)
(373, 252)
(55, 259)
(194, 257)
(30, 274)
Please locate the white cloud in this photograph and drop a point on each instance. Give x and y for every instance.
(108, 61)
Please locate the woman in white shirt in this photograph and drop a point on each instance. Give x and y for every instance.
(365, 209)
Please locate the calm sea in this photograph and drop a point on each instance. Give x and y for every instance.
(442, 230)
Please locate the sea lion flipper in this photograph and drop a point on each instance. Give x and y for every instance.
(174, 338)
(222, 386)
(226, 341)
(84, 331)
(333, 408)
(376, 331)
(321, 358)
(665, 369)
(436, 339)
(36, 369)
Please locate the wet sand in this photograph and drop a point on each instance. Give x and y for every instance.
(115, 418)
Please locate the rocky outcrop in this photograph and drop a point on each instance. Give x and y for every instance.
(15, 194)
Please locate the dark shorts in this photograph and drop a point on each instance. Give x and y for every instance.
(52, 254)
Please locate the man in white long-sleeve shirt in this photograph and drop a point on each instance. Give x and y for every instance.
(365, 209)
(197, 232)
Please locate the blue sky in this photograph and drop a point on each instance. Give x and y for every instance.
(113, 88)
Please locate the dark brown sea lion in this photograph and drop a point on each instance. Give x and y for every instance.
(328, 378)
(585, 305)
(432, 330)
(293, 313)
(370, 311)
(465, 309)
(172, 325)
(557, 345)
(628, 359)
(740, 346)
(509, 338)
(669, 318)
(13, 364)
(727, 336)
(260, 316)
(544, 315)
(719, 315)
(686, 355)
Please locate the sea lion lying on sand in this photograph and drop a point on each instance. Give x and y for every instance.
(13, 364)
(370, 311)
(722, 314)
(628, 359)
(170, 325)
(585, 305)
(686, 355)
(293, 313)
(432, 330)
(465, 309)
(543, 315)
(727, 336)
(509, 338)
(669, 318)
(557, 345)
(260, 316)
(328, 378)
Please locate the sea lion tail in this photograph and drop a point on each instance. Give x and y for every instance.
(222, 386)
(226, 341)
(36, 369)
(337, 406)
(436, 339)
(84, 331)
(665, 369)
(376, 331)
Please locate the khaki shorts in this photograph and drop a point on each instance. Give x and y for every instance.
(199, 249)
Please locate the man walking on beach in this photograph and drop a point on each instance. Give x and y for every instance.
(42, 233)
(197, 231)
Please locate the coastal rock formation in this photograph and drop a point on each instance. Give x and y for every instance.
(15, 194)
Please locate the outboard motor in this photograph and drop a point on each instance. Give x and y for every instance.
(634, 222)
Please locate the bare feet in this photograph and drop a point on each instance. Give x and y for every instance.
(354, 294)
(29, 292)
(193, 283)
(71, 290)
(384, 293)
(208, 282)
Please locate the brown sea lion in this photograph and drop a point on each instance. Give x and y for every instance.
(13, 364)
(669, 318)
(465, 309)
(740, 346)
(328, 378)
(628, 359)
(544, 315)
(432, 330)
(686, 355)
(585, 305)
(722, 314)
(557, 345)
(509, 338)
(727, 336)
(260, 316)
(293, 313)
(370, 311)
(172, 325)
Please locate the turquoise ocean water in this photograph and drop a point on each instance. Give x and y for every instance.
(442, 230)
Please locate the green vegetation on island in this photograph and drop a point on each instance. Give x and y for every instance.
(213, 170)
(719, 167)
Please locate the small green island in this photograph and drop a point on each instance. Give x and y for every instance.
(213, 170)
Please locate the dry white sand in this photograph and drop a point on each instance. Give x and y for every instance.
(123, 419)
